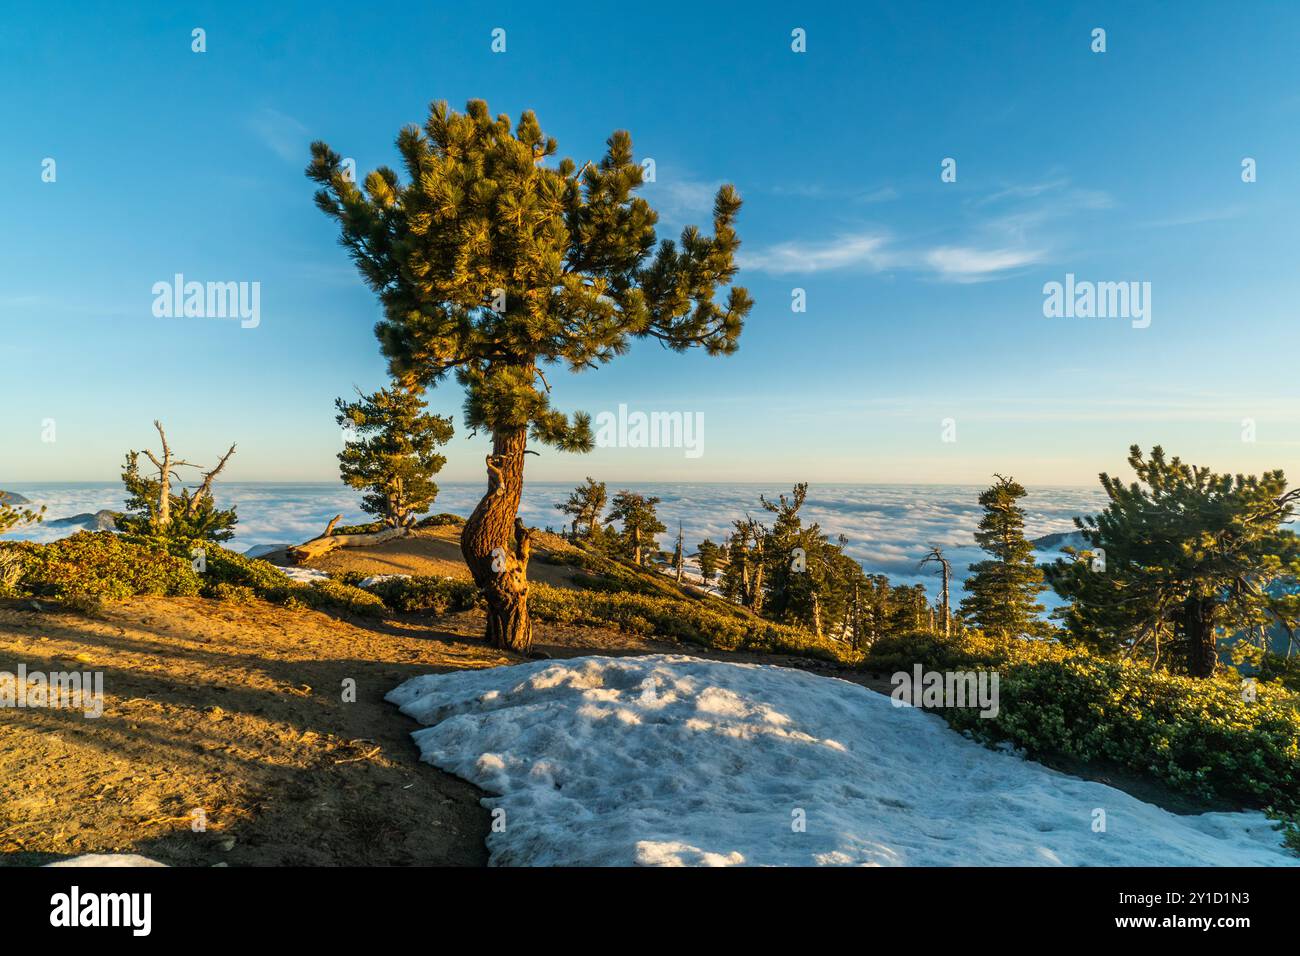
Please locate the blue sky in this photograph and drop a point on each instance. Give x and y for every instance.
(924, 298)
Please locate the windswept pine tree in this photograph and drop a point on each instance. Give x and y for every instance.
(394, 455)
(640, 523)
(1181, 558)
(152, 508)
(585, 505)
(493, 265)
(1004, 590)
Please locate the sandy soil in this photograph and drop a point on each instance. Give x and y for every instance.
(236, 710)
(433, 551)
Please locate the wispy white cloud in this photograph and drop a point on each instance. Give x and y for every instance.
(1005, 232)
(283, 135)
(845, 252)
(1196, 217)
(682, 200)
(876, 252)
(967, 264)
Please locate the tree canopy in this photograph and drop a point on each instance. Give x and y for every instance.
(1003, 590)
(1180, 558)
(394, 456)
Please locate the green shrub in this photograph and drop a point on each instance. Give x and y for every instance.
(335, 596)
(440, 520)
(962, 651)
(1283, 670)
(725, 627)
(423, 594)
(100, 564)
(231, 576)
(1197, 735)
(368, 528)
(226, 570)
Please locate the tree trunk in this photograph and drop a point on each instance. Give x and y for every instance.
(1202, 647)
(328, 542)
(496, 545)
(947, 615)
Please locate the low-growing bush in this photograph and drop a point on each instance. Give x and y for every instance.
(678, 618)
(440, 520)
(421, 594)
(962, 651)
(225, 570)
(95, 566)
(100, 564)
(369, 527)
(1201, 736)
(330, 595)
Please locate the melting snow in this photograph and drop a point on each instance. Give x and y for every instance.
(671, 760)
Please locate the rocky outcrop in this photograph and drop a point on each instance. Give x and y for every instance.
(102, 520)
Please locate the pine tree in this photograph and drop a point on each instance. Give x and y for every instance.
(394, 456)
(1003, 590)
(743, 577)
(493, 265)
(152, 509)
(640, 524)
(710, 558)
(1182, 557)
(585, 504)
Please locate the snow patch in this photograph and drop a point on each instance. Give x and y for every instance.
(669, 760)
(304, 575)
(380, 578)
(107, 859)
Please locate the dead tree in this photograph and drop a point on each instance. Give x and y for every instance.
(161, 509)
(936, 556)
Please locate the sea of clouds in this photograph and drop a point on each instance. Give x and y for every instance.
(888, 528)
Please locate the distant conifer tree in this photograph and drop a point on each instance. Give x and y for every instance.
(640, 524)
(710, 558)
(394, 455)
(1003, 590)
(585, 504)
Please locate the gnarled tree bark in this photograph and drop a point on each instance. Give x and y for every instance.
(496, 545)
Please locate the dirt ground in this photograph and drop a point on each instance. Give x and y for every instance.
(235, 711)
(433, 551)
